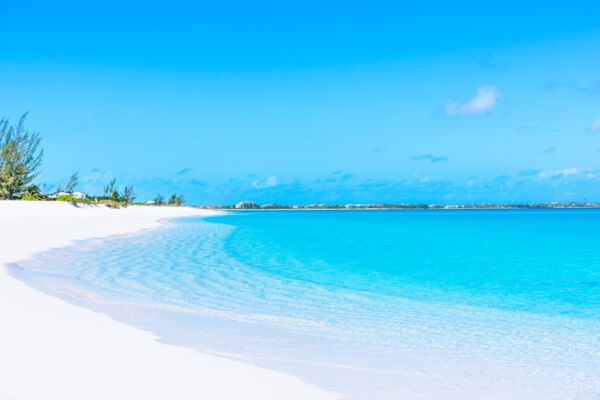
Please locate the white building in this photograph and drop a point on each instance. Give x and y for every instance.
(57, 195)
(246, 205)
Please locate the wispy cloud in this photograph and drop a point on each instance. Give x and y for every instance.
(489, 61)
(95, 177)
(561, 173)
(269, 182)
(529, 172)
(486, 98)
(586, 173)
(196, 182)
(554, 85)
(548, 151)
(430, 157)
(337, 177)
(592, 88)
(527, 186)
(184, 171)
(595, 126)
(527, 128)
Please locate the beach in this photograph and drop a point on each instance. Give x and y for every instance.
(51, 349)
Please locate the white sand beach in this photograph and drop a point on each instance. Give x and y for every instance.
(51, 349)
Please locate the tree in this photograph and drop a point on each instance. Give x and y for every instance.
(19, 157)
(72, 183)
(110, 190)
(128, 194)
(175, 200)
(32, 191)
(159, 200)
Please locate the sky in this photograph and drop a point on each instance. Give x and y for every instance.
(311, 102)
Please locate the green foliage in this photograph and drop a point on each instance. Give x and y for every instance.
(110, 190)
(72, 183)
(111, 203)
(66, 197)
(176, 200)
(32, 192)
(159, 200)
(69, 198)
(128, 195)
(19, 158)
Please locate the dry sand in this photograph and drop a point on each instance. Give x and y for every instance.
(51, 349)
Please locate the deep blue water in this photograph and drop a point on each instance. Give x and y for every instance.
(374, 304)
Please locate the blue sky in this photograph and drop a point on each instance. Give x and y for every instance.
(309, 102)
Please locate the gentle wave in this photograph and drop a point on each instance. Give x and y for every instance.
(376, 305)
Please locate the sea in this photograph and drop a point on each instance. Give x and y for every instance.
(372, 304)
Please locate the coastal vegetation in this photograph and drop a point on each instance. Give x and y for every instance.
(159, 200)
(20, 159)
(72, 183)
(175, 200)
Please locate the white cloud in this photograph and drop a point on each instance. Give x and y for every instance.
(486, 98)
(270, 182)
(473, 182)
(560, 173)
(595, 126)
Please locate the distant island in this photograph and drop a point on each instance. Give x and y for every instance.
(249, 205)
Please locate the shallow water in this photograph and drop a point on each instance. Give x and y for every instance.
(448, 304)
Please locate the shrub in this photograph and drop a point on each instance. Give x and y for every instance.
(175, 200)
(66, 197)
(128, 195)
(110, 190)
(159, 200)
(111, 203)
(72, 183)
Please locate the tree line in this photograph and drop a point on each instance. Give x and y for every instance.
(21, 157)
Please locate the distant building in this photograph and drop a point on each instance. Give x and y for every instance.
(78, 195)
(150, 203)
(57, 195)
(246, 205)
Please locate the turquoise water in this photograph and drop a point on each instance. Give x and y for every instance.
(373, 304)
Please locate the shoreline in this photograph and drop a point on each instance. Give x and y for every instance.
(397, 209)
(51, 348)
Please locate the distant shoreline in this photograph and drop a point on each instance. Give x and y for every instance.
(373, 207)
(404, 209)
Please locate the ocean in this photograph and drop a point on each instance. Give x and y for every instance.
(382, 304)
